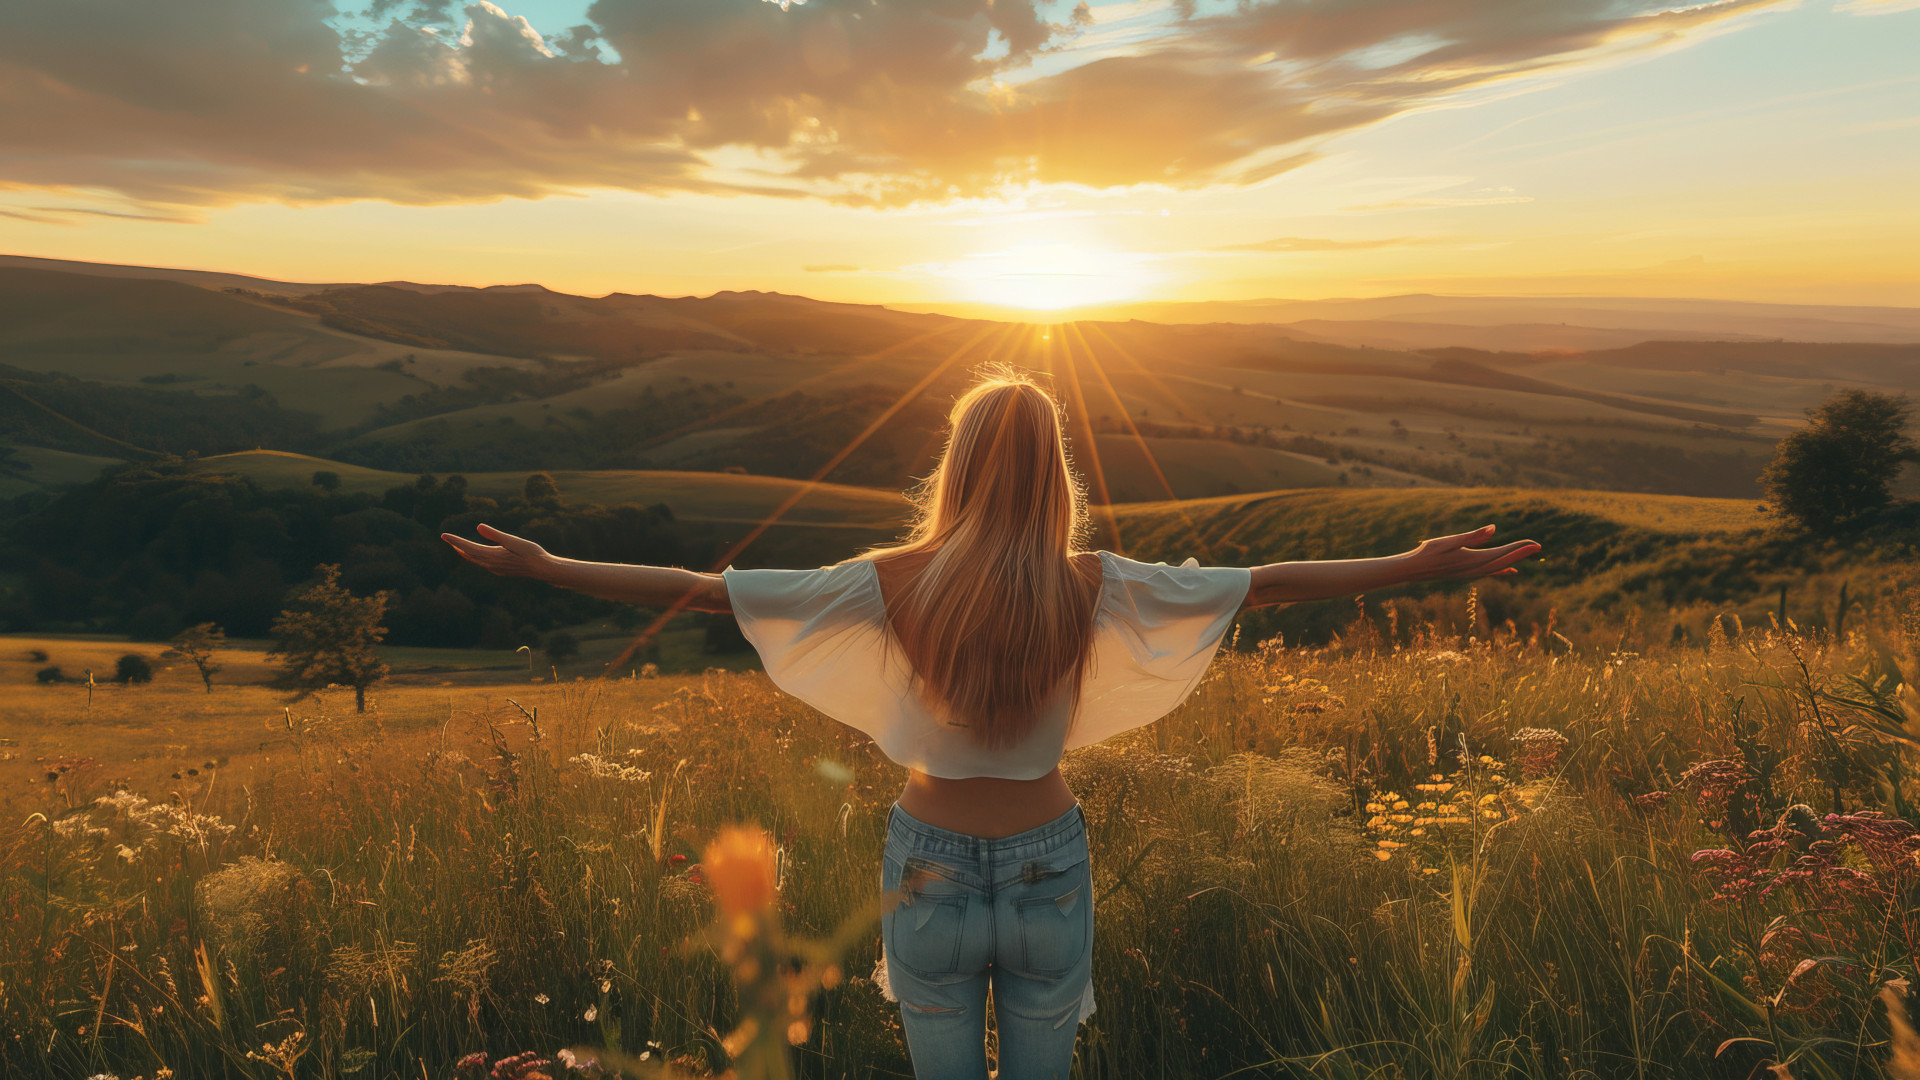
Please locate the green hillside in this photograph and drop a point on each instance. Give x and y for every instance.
(694, 496)
(1674, 559)
(1664, 564)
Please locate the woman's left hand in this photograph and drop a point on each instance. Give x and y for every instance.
(1450, 557)
(508, 555)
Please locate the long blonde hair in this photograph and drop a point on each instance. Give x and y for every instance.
(1000, 613)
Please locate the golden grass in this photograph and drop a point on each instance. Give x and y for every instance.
(501, 869)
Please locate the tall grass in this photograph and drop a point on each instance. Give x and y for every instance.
(1446, 857)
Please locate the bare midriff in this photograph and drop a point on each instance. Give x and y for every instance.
(987, 806)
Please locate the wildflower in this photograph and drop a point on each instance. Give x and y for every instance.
(1540, 750)
(541, 999)
(78, 828)
(527, 1066)
(596, 766)
(592, 1014)
(740, 869)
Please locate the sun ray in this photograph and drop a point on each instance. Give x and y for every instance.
(803, 490)
(1179, 403)
(1077, 405)
(1100, 369)
(831, 373)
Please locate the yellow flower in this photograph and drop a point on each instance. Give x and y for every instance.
(739, 867)
(1418, 832)
(1488, 799)
(1375, 808)
(1490, 815)
(1400, 804)
(1390, 845)
(1383, 856)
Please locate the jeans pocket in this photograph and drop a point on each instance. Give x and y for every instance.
(1056, 926)
(924, 934)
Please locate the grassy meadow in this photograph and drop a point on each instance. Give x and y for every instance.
(1438, 849)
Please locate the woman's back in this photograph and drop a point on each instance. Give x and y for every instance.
(987, 806)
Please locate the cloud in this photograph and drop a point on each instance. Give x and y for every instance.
(1307, 243)
(832, 268)
(210, 102)
(1876, 7)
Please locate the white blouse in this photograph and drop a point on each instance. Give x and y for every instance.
(823, 637)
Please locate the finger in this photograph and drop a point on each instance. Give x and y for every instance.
(1504, 550)
(516, 544)
(1508, 557)
(1461, 540)
(467, 547)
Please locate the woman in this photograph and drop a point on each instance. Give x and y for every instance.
(975, 652)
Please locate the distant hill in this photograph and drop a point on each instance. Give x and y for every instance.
(408, 378)
(1499, 323)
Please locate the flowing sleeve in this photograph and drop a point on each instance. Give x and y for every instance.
(821, 635)
(1155, 633)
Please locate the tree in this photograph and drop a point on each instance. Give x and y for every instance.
(326, 480)
(196, 645)
(562, 646)
(541, 490)
(327, 636)
(132, 669)
(1841, 466)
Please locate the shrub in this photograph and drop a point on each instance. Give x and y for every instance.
(131, 669)
(50, 674)
(562, 646)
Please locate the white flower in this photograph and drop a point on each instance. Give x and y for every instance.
(541, 999)
(592, 1013)
(594, 765)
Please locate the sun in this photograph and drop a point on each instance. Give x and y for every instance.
(1050, 276)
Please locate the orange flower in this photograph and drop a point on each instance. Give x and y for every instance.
(739, 867)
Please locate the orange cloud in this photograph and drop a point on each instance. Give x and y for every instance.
(207, 102)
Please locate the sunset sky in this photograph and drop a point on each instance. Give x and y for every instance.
(1002, 151)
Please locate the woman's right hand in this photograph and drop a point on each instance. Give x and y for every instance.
(508, 555)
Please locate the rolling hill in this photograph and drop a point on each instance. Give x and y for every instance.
(402, 377)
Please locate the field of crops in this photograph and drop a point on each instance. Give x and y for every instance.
(1437, 851)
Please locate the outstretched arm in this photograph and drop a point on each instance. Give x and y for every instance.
(658, 586)
(1441, 557)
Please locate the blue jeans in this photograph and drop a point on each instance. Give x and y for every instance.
(1014, 913)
